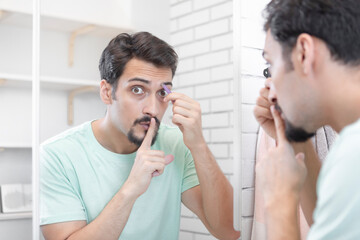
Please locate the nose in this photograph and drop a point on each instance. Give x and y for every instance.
(151, 107)
(272, 93)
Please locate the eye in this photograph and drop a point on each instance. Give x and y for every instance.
(266, 72)
(137, 90)
(162, 93)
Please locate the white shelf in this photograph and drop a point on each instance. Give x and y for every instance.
(15, 80)
(60, 24)
(14, 145)
(66, 83)
(48, 82)
(12, 216)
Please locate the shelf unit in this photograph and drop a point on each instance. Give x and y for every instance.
(14, 216)
(47, 82)
(70, 49)
(72, 33)
(14, 145)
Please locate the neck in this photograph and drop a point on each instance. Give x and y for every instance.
(111, 138)
(344, 99)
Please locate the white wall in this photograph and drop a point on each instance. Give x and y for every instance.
(15, 111)
(110, 13)
(253, 39)
(152, 16)
(201, 32)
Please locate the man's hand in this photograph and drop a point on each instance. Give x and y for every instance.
(187, 116)
(281, 174)
(148, 163)
(262, 110)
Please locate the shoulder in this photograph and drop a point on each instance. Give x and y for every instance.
(65, 151)
(67, 147)
(68, 139)
(342, 164)
(338, 204)
(347, 146)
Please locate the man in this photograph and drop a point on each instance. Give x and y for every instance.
(125, 175)
(322, 142)
(313, 48)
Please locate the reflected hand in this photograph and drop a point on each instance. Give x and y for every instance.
(187, 116)
(148, 163)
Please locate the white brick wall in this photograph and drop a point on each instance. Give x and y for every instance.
(198, 77)
(201, 32)
(195, 48)
(220, 104)
(181, 37)
(212, 28)
(222, 72)
(252, 65)
(202, 36)
(195, 18)
(212, 90)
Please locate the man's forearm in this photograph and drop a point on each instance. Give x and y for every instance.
(217, 192)
(111, 221)
(282, 219)
(308, 194)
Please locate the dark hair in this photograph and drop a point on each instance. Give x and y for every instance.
(141, 45)
(336, 22)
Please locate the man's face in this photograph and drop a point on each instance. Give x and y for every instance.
(139, 97)
(287, 92)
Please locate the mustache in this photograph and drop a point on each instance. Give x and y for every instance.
(146, 119)
(278, 108)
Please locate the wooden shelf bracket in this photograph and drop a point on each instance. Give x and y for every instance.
(74, 34)
(71, 96)
(2, 81)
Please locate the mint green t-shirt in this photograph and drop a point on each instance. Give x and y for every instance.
(337, 212)
(79, 177)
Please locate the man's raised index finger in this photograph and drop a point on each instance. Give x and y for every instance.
(279, 125)
(149, 135)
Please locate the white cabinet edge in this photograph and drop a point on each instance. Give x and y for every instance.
(119, 13)
(61, 83)
(13, 216)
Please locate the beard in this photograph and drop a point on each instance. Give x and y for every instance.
(138, 141)
(294, 134)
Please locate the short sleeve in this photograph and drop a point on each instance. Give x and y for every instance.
(338, 208)
(59, 201)
(190, 178)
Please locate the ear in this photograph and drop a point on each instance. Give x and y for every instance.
(106, 92)
(305, 53)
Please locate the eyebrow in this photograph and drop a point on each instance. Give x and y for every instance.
(147, 81)
(264, 53)
(167, 83)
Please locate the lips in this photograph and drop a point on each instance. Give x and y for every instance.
(145, 125)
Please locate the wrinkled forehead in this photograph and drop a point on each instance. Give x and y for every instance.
(145, 72)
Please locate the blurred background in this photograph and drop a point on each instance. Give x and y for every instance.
(73, 35)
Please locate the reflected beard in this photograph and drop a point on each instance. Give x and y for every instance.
(295, 134)
(138, 141)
